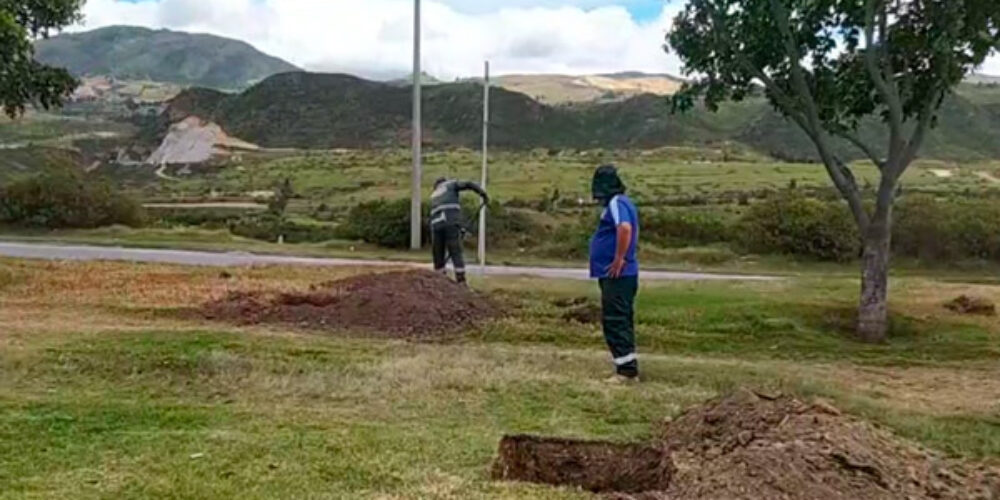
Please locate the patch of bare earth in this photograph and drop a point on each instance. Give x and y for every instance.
(751, 445)
(404, 304)
(595, 466)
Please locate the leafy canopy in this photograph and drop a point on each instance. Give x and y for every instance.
(920, 49)
(827, 64)
(22, 79)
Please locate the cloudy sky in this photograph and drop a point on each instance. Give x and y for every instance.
(373, 37)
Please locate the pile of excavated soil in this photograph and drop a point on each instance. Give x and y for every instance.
(752, 446)
(405, 304)
(972, 305)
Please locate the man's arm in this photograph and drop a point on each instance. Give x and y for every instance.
(472, 186)
(622, 246)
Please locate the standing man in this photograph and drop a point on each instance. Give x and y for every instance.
(446, 223)
(613, 263)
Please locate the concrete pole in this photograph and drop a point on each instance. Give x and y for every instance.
(486, 143)
(416, 215)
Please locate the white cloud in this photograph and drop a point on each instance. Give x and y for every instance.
(374, 40)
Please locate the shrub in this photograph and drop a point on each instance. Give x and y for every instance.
(792, 224)
(571, 240)
(381, 222)
(918, 228)
(66, 199)
(684, 228)
(505, 227)
(211, 218)
(268, 227)
(387, 224)
(930, 229)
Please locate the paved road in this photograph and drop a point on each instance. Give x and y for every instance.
(47, 251)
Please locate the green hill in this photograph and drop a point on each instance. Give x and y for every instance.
(134, 53)
(307, 110)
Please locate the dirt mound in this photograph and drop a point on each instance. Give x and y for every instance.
(587, 314)
(595, 466)
(406, 304)
(579, 310)
(972, 305)
(751, 446)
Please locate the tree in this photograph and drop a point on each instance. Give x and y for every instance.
(282, 195)
(22, 79)
(828, 64)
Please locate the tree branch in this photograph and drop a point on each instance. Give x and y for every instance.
(865, 148)
(889, 93)
(920, 132)
(794, 58)
(839, 172)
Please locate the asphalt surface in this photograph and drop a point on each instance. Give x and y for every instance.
(47, 251)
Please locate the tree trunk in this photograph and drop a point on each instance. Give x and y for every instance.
(873, 314)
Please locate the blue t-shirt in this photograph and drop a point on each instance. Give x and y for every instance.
(605, 241)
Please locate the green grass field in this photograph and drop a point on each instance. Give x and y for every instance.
(112, 389)
(343, 179)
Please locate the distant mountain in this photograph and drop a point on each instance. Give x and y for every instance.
(307, 110)
(133, 53)
(568, 89)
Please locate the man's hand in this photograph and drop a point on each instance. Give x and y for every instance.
(616, 268)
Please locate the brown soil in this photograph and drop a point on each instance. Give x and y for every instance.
(405, 304)
(587, 314)
(594, 466)
(972, 305)
(750, 446)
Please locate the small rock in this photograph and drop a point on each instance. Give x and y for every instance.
(768, 395)
(822, 406)
(196, 456)
(744, 438)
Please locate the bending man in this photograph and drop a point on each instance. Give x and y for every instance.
(614, 264)
(446, 223)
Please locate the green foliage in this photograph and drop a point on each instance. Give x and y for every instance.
(282, 195)
(210, 218)
(795, 225)
(22, 79)
(127, 52)
(937, 230)
(66, 199)
(570, 239)
(386, 223)
(733, 44)
(380, 222)
(270, 227)
(684, 228)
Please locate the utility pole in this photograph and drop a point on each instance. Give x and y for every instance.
(416, 215)
(486, 131)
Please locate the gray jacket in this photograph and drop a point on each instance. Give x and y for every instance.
(446, 205)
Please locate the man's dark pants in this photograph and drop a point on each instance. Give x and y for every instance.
(618, 320)
(446, 241)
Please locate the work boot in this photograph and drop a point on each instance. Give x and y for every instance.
(460, 279)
